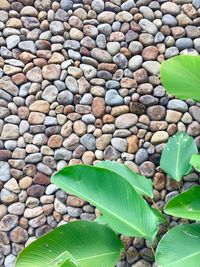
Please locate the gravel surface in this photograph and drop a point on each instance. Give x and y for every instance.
(79, 82)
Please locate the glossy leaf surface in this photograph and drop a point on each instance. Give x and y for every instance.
(123, 209)
(77, 244)
(140, 183)
(195, 162)
(181, 77)
(175, 158)
(185, 205)
(180, 247)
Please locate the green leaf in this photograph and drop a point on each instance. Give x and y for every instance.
(77, 244)
(175, 158)
(123, 209)
(195, 162)
(185, 205)
(140, 183)
(181, 77)
(180, 247)
(160, 216)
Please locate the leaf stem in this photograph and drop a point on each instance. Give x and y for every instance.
(153, 251)
(179, 188)
(156, 206)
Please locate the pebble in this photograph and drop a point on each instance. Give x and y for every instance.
(141, 156)
(4, 171)
(148, 26)
(184, 43)
(126, 121)
(178, 105)
(159, 137)
(112, 98)
(88, 140)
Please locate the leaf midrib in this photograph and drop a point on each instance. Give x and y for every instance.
(105, 209)
(97, 256)
(177, 159)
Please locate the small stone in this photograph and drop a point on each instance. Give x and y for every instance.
(50, 93)
(156, 113)
(141, 156)
(178, 105)
(106, 17)
(89, 71)
(51, 72)
(10, 131)
(12, 41)
(111, 153)
(184, 43)
(120, 144)
(124, 16)
(159, 137)
(170, 8)
(60, 207)
(74, 212)
(18, 235)
(36, 190)
(30, 22)
(120, 60)
(112, 98)
(38, 221)
(71, 142)
(8, 222)
(148, 26)
(66, 4)
(8, 86)
(98, 107)
(88, 140)
(10, 259)
(28, 46)
(196, 3)
(147, 169)
(153, 67)
(4, 171)
(40, 106)
(132, 144)
(173, 116)
(56, 27)
(126, 121)
(16, 208)
(195, 112)
(135, 62)
(34, 75)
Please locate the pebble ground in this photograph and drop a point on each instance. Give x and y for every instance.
(79, 82)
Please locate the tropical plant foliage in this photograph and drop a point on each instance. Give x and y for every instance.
(185, 205)
(195, 161)
(180, 247)
(122, 207)
(175, 159)
(141, 184)
(181, 77)
(77, 244)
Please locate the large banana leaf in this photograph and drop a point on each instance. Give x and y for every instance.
(140, 183)
(123, 209)
(185, 205)
(180, 247)
(77, 244)
(175, 158)
(181, 77)
(195, 162)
